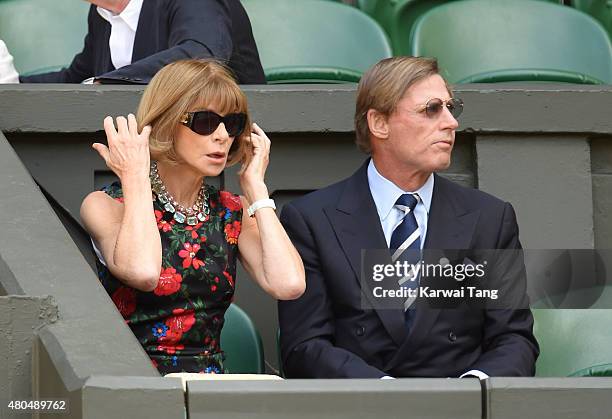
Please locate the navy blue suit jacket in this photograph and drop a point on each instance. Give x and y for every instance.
(328, 333)
(168, 30)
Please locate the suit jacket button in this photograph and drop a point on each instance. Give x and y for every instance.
(452, 337)
(360, 331)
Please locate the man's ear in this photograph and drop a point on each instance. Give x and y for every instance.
(377, 123)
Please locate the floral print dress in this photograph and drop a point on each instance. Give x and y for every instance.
(179, 323)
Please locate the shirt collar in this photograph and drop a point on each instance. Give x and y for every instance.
(129, 15)
(385, 193)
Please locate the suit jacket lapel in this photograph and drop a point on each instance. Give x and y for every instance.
(357, 227)
(144, 44)
(102, 30)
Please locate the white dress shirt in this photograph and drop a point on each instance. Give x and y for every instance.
(123, 32)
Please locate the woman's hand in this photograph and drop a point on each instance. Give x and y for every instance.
(128, 151)
(253, 170)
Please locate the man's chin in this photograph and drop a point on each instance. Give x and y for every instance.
(442, 165)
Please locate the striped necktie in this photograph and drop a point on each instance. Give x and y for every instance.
(406, 245)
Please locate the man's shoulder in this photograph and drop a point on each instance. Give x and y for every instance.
(321, 198)
(474, 199)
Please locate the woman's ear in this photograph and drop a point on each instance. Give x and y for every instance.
(377, 123)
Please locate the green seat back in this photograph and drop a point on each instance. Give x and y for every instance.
(519, 40)
(397, 17)
(241, 343)
(599, 9)
(43, 33)
(315, 41)
(575, 342)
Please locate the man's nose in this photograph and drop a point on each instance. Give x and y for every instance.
(449, 120)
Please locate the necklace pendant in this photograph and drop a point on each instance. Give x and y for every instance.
(179, 217)
(168, 207)
(192, 221)
(162, 198)
(201, 216)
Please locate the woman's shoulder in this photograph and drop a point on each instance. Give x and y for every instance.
(102, 206)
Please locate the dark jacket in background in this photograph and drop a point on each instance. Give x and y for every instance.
(168, 30)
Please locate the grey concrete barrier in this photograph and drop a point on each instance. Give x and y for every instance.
(20, 317)
(133, 398)
(39, 258)
(338, 399)
(548, 398)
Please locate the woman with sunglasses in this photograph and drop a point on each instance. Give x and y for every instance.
(166, 240)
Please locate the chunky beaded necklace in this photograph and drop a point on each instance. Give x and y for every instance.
(191, 215)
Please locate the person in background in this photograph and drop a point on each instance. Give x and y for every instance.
(128, 41)
(167, 241)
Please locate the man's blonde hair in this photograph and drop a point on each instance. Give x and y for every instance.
(186, 86)
(383, 86)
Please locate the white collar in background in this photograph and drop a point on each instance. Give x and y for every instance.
(129, 15)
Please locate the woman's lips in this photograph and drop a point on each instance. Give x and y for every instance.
(217, 157)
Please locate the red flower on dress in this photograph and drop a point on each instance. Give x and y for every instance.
(231, 201)
(170, 348)
(120, 199)
(213, 288)
(162, 224)
(232, 231)
(172, 336)
(169, 282)
(229, 278)
(194, 230)
(189, 255)
(125, 300)
(181, 321)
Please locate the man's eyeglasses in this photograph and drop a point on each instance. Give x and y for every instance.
(206, 122)
(434, 107)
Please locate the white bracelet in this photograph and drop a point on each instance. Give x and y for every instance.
(262, 203)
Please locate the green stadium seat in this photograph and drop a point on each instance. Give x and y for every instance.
(575, 342)
(241, 343)
(315, 41)
(480, 41)
(41, 33)
(397, 17)
(599, 9)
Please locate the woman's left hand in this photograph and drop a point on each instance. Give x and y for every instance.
(253, 170)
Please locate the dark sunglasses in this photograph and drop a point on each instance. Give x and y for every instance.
(434, 107)
(206, 122)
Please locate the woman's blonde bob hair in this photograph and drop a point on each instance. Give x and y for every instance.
(187, 86)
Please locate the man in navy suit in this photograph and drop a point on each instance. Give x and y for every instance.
(145, 35)
(406, 120)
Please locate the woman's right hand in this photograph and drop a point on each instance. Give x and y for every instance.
(128, 151)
